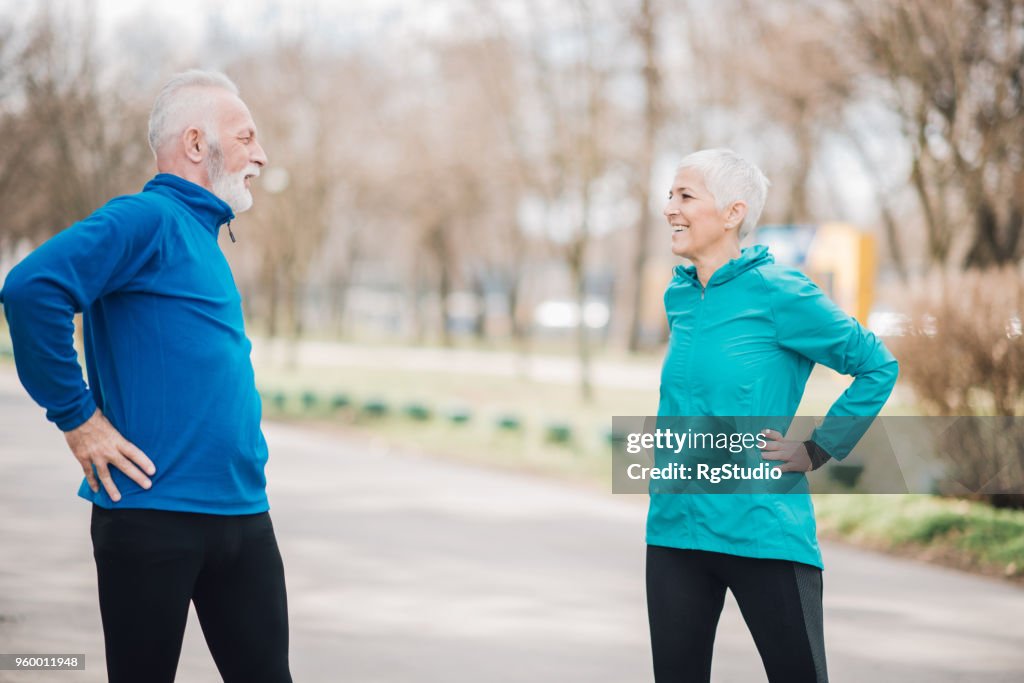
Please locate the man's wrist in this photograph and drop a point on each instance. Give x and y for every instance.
(72, 422)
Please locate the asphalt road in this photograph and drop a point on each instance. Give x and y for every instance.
(404, 569)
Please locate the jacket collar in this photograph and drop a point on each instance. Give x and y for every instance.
(211, 211)
(749, 258)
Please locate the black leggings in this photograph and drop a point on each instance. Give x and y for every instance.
(780, 601)
(152, 563)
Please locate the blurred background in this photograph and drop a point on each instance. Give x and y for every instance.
(457, 250)
(458, 244)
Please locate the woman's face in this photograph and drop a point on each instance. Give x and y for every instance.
(698, 227)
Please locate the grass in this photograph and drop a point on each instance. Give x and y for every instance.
(961, 533)
(508, 422)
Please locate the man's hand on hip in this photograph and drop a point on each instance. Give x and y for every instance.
(97, 443)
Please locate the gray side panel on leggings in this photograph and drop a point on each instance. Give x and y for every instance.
(809, 587)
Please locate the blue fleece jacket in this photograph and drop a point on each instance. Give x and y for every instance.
(165, 348)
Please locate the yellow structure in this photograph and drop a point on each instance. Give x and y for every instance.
(842, 260)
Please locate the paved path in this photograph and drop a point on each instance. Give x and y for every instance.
(403, 569)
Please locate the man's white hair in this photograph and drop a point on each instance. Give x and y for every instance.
(729, 178)
(182, 103)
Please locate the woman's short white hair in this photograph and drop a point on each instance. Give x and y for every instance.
(181, 103)
(729, 178)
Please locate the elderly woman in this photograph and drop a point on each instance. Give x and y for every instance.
(744, 336)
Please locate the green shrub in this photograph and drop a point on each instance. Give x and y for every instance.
(558, 432)
(309, 400)
(376, 407)
(418, 412)
(509, 422)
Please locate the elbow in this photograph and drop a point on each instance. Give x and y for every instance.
(15, 290)
(888, 364)
(31, 296)
(25, 295)
(881, 373)
(892, 373)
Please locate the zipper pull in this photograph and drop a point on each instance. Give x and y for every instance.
(232, 236)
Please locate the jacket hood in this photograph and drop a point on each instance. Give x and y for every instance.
(749, 258)
(211, 211)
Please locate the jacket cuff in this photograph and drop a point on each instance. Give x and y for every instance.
(817, 454)
(77, 418)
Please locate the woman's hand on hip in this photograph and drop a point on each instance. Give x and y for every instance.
(792, 454)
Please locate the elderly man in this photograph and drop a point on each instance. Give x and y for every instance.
(167, 430)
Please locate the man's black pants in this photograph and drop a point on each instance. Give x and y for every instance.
(152, 563)
(780, 600)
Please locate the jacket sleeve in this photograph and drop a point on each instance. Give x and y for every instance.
(809, 323)
(63, 276)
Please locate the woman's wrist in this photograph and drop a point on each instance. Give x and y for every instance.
(818, 455)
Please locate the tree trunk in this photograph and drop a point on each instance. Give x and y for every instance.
(647, 34)
(480, 319)
(576, 267)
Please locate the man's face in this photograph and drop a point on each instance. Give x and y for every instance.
(235, 155)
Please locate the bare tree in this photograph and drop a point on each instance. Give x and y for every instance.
(74, 143)
(492, 71)
(308, 118)
(645, 31)
(955, 75)
(578, 126)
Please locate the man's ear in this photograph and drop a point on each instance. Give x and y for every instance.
(195, 144)
(735, 214)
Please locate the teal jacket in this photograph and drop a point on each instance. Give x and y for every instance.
(745, 346)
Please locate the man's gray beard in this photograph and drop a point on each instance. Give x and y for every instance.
(229, 188)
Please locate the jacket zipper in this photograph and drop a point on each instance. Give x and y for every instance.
(691, 512)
